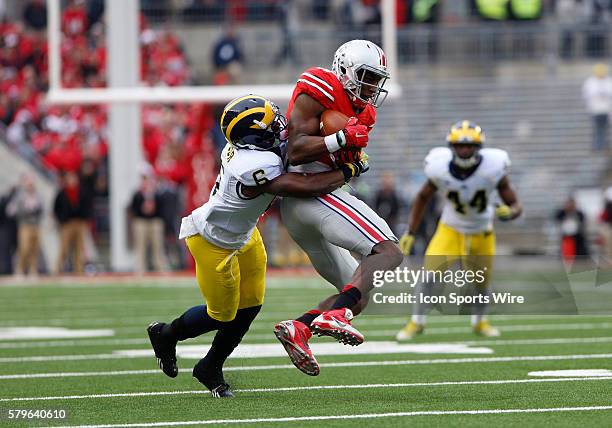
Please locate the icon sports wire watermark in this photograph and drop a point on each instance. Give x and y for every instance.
(507, 285)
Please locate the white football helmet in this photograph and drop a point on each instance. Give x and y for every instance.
(361, 67)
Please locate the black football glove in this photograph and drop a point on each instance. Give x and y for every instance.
(354, 169)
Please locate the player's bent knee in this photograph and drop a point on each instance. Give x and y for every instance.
(390, 250)
(250, 301)
(223, 316)
(227, 317)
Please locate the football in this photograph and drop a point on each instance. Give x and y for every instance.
(332, 121)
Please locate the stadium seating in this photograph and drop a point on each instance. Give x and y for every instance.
(541, 122)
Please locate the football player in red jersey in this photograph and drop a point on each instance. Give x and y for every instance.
(329, 227)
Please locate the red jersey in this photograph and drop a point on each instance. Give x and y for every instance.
(323, 86)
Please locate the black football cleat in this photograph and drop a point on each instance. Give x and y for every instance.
(222, 391)
(165, 350)
(212, 378)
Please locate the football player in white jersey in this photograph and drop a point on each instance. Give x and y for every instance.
(229, 253)
(467, 175)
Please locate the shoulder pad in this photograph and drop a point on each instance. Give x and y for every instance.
(322, 73)
(254, 167)
(437, 161)
(320, 84)
(496, 163)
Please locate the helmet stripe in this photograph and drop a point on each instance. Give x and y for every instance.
(381, 57)
(241, 116)
(268, 116)
(236, 101)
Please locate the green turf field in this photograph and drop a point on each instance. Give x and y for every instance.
(469, 381)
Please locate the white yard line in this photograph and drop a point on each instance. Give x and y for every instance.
(313, 388)
(344, 417)
(374, 333)
(65, 343)
(266, 317)
(143, 320)
(261, 350)
(62, 358)
(549, 341)
(46, 333)
(363, 327)
(136, 341)
(325, 365)
(89, 374)
(572, 373)
(505, 328)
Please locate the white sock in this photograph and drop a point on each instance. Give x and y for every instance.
(418, 319)
(476, 319)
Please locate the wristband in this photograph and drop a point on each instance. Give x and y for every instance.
(334, 142)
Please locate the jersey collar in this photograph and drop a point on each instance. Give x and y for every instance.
(463, 174)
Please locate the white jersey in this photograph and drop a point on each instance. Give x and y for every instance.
(468, 207)
(229, 217)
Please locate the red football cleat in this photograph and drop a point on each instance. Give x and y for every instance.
(337, 324)
(294, 337)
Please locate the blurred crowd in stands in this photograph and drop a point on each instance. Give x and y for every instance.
(64, 136)
(576, 238)
(69, 143)
(368, 11)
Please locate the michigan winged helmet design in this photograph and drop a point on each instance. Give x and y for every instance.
(253, 122)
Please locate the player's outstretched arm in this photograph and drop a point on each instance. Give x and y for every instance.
(416, 215)
(304, 186)
(305, 143)
(512, 207)
(299, 185)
